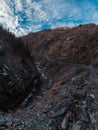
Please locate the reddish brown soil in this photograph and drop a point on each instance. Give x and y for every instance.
(72, 45)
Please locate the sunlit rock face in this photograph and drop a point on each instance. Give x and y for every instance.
(77, 45)
(24, 16)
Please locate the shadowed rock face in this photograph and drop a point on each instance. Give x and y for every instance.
(18, 74)
(73, 45)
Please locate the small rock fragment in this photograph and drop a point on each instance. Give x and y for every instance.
(83, 102)
(78, 80)
(92, 95)
(64, 123)
(84, 117)
(1, 51)
(59, 112)
(76, 127)
(3, 122)
(92, 118)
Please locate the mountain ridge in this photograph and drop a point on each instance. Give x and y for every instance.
(73, 45)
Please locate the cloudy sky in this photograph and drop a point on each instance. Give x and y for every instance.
(25, 16)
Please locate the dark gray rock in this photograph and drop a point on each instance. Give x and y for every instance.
(64, 123)
(85, 117)
(60, 112)
(76, 127)
(3, 122)
(79, 94)
(78, 80)
(1, 51)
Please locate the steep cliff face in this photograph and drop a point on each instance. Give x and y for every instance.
(18, 74)
(73, 45)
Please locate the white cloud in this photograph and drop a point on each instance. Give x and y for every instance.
(23, 16)
(18, 5)
(29, 2)
(95, 17)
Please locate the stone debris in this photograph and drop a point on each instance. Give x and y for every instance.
(92, 95)
(76, 127)
(3, 122)
(64, 123)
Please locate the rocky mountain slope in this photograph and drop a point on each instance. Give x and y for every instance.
(18, 74)
(64, 62)
(71, 45)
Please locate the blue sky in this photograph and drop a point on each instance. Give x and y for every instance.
(25, 16)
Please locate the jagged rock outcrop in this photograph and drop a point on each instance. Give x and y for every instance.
(18, 74)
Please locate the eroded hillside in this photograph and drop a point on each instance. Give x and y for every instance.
(71, 45)
(63, 68)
